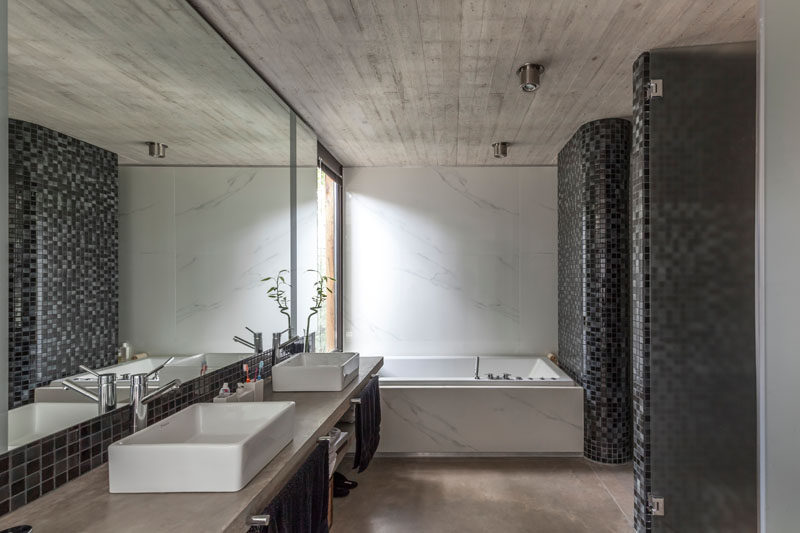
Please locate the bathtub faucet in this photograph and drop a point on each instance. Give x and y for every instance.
(477, 367)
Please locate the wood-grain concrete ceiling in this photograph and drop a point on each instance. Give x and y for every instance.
(432, 82)
(118, 73)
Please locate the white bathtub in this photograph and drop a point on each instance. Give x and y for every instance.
(434, 405)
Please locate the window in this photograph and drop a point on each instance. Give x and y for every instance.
(329, 242)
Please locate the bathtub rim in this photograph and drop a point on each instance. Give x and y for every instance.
(564, 380)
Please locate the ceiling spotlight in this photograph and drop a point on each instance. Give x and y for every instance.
(158, 150)
(500, 149)
(529, 76)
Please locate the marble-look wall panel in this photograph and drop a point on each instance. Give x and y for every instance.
(195, 243)
(307, 244)
(433, 420)
(147, 256)
(445, 260)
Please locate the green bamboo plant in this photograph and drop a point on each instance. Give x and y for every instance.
(277, 293)
(321, 291)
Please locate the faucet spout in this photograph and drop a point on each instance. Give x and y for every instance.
(244, 343)
(106, 395)
(173, 385)
(71, 385)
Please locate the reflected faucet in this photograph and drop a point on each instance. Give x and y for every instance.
(276, 344)
(140, 397)
(106, 396)
(257, 345)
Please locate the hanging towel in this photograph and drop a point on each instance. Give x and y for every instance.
(302, 505)
(368, 424)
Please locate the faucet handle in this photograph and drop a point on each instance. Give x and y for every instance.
(159, 367)
(251, 331)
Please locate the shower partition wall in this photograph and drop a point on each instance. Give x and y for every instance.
(693, 257)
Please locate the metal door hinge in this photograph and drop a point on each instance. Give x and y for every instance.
(655, 505)
(654, 88)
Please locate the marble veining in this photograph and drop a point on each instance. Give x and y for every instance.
(464, 255)
(434, 420)
(460, 184)
(194, 245)
(236, 184)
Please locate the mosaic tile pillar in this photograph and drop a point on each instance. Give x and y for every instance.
(63, 266)
(593, 282)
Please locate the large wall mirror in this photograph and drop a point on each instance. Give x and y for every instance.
(161, 248)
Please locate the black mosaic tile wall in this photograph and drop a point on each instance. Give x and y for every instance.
(694, 227)
(571, 220)
(640, 291)
(63, 270)
(33, 470)
(204, 388)
(593, 172)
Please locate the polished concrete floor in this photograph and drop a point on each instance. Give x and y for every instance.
(531, 495)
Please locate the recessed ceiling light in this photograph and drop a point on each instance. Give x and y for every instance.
(529, 76)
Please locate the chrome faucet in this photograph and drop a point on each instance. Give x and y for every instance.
(477, 367)
(276, 344)
(106, 396)
(140, 398)
(258, 341)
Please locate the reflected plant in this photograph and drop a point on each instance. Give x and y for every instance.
(278, 293)
(321, 291)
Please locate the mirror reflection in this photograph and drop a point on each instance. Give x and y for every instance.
(150, 195)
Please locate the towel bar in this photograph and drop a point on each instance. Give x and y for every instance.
(258, 520)
(325, 438)
(355, 401)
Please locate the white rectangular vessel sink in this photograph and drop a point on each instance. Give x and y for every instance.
(312, 372)
(36, 420)
(204, 448)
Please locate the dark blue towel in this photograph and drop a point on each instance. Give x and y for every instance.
(302, 505)
(368, 424)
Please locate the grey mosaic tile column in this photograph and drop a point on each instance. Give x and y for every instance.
(63, 266)
(593, 287)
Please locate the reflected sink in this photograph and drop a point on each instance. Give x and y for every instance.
(183, 367)
(206, 447)
(312, 372)
(36, 420)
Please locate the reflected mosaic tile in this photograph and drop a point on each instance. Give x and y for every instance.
(63, 266)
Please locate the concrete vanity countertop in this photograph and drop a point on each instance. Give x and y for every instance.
(86, 505)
